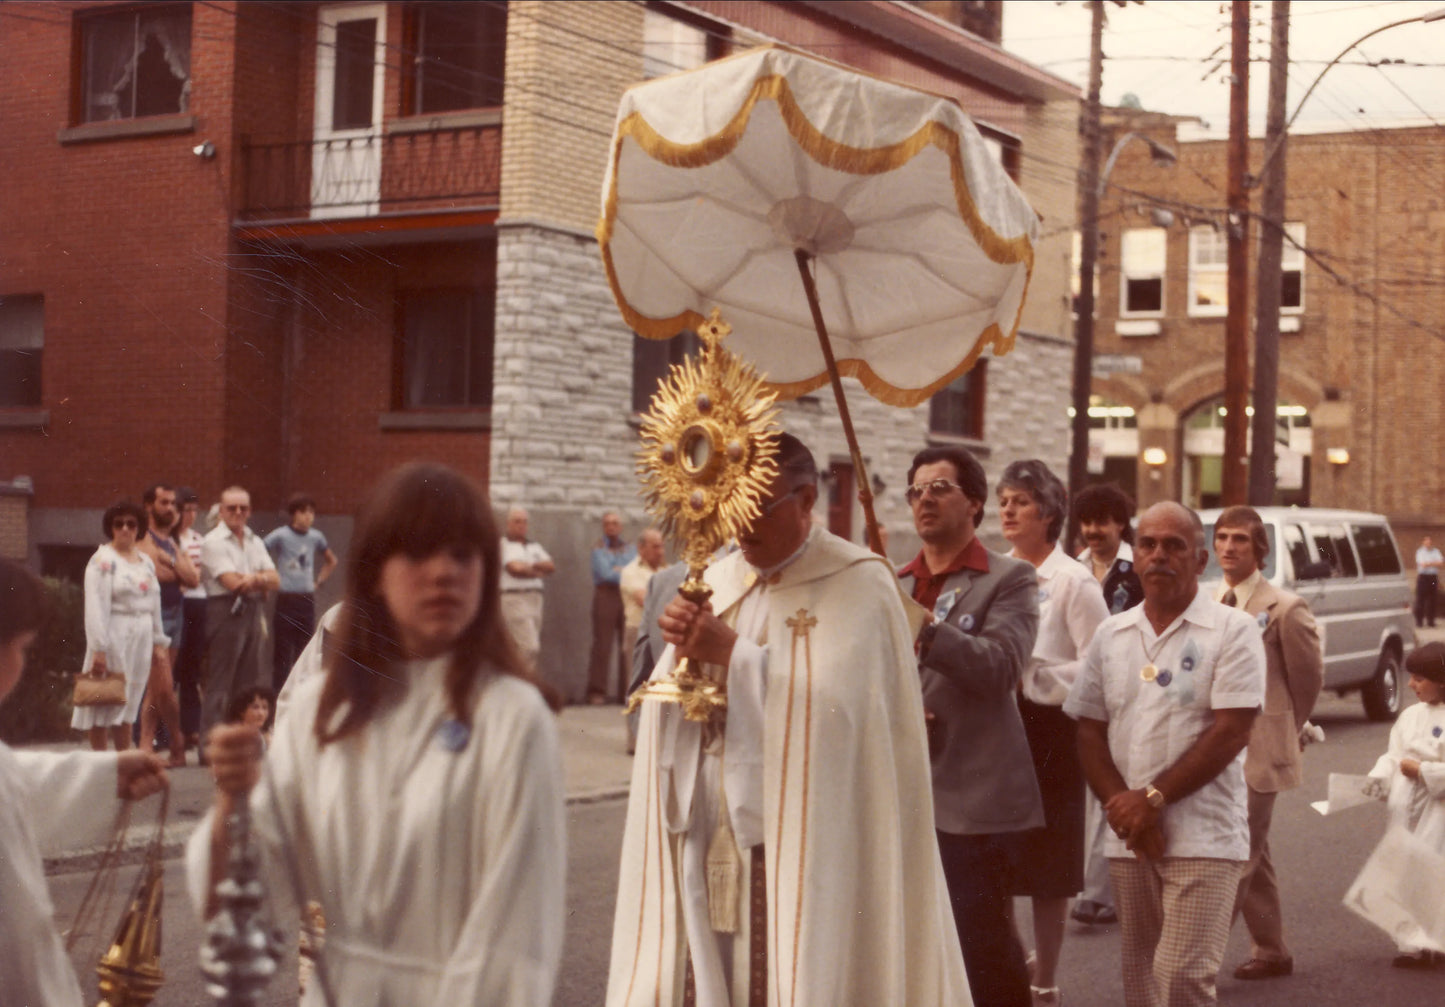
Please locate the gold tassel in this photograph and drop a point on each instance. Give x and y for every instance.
(723, 872)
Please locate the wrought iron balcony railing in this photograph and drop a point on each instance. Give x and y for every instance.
(440, 169)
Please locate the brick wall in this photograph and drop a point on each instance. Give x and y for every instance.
(1367, 359)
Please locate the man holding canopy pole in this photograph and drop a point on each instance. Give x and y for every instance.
(787, 856)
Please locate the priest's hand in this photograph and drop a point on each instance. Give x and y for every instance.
(234, 751)
(697, 634)
(140, 774)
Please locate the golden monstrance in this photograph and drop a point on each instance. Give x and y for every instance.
(707, 458)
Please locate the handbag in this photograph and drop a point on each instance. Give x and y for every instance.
(105, 690)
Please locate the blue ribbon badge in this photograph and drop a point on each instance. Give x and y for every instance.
(454, 735)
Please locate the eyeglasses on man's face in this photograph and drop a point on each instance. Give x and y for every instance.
(934, 488)
(777, 502)
(236, 508)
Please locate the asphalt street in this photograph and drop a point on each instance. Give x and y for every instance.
(1339, 959)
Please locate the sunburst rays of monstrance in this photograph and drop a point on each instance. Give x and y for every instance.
(707, 458)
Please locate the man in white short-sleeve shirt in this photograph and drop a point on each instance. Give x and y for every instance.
(1165, 701)
(524, 564)
(237, 572)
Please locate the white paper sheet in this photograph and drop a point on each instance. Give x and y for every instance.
(1345, 791)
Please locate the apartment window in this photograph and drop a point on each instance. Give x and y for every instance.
(957, 409)
(1141, 290)
(1006, 149)
(1208, 271)
(136, 62)
(670, 44)
(651, 359)
(1292, 270)
(22, 338)
(458, 56)
(446, 349)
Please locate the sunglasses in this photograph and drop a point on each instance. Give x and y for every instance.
(237, 508)
(934, 487)
(125, 522)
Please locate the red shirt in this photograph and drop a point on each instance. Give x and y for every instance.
(927, 586)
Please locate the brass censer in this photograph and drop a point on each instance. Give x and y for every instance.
(707, 458)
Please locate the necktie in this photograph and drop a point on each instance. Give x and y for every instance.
(1229, 598)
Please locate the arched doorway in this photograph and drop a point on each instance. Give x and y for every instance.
(1203, 463)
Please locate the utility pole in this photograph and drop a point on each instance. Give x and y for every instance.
(1088, 255)
(1236, 327)
(1271, 244)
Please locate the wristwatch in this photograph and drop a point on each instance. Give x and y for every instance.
(1154, 796)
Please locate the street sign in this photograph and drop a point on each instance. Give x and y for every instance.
(1117, 363)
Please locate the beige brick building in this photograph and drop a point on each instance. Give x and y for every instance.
(1362, 345)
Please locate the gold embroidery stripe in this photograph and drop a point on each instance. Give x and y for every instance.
(832, 154)
(783, 795)
(803, 826)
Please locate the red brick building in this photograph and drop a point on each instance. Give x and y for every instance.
(1362, 345)
(291, 245)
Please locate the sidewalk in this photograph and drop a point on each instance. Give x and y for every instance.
(594, 761)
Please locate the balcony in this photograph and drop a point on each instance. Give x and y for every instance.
(403, 172)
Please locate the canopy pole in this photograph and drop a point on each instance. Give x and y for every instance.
(865, 489)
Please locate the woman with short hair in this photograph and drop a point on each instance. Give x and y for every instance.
(123, 630)
(1048, 862)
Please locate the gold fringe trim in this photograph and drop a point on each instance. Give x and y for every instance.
(842, 157)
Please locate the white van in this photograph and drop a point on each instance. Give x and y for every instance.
(1346, 565)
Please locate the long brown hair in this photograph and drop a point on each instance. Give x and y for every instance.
(416, 510)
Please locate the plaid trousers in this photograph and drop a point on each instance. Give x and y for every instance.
(1174, 917)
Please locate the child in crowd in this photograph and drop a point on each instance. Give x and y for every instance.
(252, 707)
(1411, 778)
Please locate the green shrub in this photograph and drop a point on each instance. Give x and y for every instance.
(39, 707)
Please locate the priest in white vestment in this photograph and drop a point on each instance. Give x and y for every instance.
(821, 771)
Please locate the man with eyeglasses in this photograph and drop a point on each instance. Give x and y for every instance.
(787, 856)
(237, 572)
(1165, 700)
(970, 659)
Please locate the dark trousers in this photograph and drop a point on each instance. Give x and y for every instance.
(1427, 586)
(238, 653)
(977, 871)
(606, 638)
(191, 663)
(293, 626)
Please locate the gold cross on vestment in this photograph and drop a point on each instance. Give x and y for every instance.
(802, 622)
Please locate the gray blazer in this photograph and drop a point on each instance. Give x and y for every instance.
(983, 774)
(649, 646)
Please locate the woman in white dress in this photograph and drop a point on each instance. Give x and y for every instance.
(47, 798)
(1048, 862)
(122, 624)
(414, 788)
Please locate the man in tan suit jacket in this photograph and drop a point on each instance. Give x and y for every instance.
(1295, 671)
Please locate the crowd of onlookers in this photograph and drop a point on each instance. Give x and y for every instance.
(186, 618)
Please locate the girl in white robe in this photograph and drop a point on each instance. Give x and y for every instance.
(414, 789)
(1413, 770)
(46, 799)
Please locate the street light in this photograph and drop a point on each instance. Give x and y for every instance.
(1435, 15)
(1084, 324)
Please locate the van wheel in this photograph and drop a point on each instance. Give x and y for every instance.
(1382, 694)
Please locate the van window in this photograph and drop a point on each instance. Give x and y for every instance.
(1334, 547)
(1212, 571)
(1299, 550)
(1376, 549)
